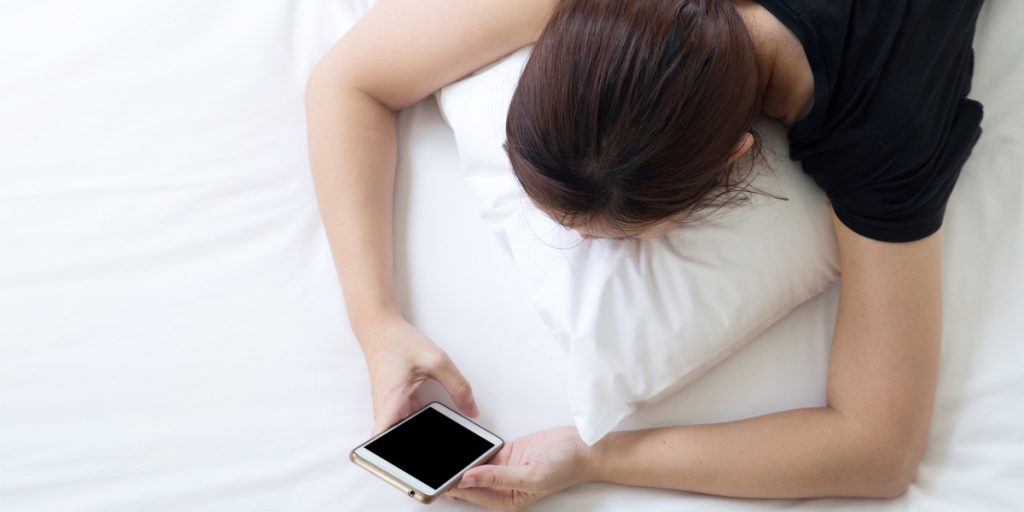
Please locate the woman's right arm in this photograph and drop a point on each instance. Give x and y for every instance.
(398, 53)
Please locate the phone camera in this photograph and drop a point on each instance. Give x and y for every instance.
(412, 494)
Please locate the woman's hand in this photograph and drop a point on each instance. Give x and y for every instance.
(400, 358)
(528, 469)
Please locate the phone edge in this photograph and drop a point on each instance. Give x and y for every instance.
(406, 488)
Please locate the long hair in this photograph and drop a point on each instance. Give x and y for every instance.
(627, 111)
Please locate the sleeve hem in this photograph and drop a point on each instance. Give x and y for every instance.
(888, 231)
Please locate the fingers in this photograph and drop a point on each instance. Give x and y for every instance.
(394, 413)
(387, 416)
(490, 499)
(382, 423)
(445, 372)
(498, 477)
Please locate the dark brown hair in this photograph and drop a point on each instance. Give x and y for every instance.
(627, 111)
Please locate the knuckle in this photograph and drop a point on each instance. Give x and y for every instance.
(533, 479)
(463, 388)
(484, 477)
(435, 358)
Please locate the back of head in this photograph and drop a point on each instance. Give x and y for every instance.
(627, 112)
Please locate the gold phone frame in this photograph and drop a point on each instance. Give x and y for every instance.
(406, 487)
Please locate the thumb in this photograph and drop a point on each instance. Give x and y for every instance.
(498, 477)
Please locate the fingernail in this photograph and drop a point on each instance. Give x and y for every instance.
(467, 482)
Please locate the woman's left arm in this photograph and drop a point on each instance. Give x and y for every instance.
(869, 438)
(866, 442)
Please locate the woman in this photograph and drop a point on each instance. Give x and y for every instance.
(627, 120)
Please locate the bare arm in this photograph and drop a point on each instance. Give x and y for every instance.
(398, 53)
(352, 155)
(869, 438)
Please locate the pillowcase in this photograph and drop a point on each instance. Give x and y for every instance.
(641, 319)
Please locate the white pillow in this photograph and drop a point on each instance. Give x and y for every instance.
(641, 319)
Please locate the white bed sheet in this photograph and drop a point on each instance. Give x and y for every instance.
(172, 335)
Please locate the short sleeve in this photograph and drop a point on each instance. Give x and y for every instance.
(906, 201)
(891, 125)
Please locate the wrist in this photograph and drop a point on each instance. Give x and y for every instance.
(596, 460)
(366, 322)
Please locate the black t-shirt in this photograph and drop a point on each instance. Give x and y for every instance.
(890, 127)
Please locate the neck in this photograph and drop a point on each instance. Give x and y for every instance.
(785, 81)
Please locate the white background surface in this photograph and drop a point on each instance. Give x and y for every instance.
(172, 335)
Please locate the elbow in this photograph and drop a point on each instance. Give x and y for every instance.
(893, 481)
(318, 82)
(330, 86)
(328, 82)
(892, 472)
(884, 454)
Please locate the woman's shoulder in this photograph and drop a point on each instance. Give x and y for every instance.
(882, 63)
(401, 51)
(891, 125)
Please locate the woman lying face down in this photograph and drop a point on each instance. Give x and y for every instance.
(630, 118)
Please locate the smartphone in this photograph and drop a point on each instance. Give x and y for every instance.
(426, 453)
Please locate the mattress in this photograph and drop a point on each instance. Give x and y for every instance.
(173, 336)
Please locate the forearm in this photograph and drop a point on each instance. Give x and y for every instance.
(352, 146)
(799, 453)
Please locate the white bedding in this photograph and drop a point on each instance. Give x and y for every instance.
(172, 334)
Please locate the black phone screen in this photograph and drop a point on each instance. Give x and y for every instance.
(430, 446)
